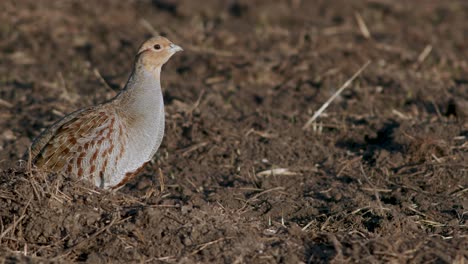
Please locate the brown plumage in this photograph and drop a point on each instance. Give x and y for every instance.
(109, 143)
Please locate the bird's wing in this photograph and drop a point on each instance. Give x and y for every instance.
(43, 139)
(60, 139)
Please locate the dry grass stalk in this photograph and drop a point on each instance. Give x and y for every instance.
(400, 114)
(197, 103)
(261, 133)
(426, 51)
(362, 26)
(147, 25)
(5, 103)
(253, 198)
(460, 192)
(187, 151)
(161, 180)
(92, 236)
(325, 105)
(377, 190)
(97, 73)
(278, 171)
(12, 227)
(203, 246)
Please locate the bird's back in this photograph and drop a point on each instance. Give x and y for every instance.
(82, 144)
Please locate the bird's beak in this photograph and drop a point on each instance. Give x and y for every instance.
(174, 48)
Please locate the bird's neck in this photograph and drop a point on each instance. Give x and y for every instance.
(142, 93)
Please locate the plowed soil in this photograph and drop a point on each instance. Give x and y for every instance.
(381, 176)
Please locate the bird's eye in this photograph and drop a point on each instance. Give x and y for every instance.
(157, 47)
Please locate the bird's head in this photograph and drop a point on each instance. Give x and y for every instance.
(156, 51)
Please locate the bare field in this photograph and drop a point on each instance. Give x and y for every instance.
(382, 176)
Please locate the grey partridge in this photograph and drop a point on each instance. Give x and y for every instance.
(107, 144)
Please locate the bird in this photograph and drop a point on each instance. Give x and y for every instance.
(109, 143)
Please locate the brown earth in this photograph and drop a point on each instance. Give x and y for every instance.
(381, 177)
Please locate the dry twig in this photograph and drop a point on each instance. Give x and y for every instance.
(427, 50)
(278, 171)
(102, 80)
(203, 246)
(161, 180)
(362, 26)
(5, 103)
(325, 105)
